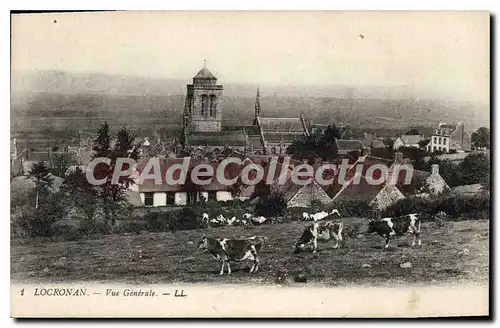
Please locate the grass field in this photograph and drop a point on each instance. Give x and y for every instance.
(457, 251)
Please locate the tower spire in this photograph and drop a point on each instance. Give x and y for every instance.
(257, 103)
(204, 63)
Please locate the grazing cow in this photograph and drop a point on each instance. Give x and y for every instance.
(321, 215)
(320, 231)
(305, 216)
(399, 226)
(204, 217)
(247, 216)
(231, 221)
(225, 250)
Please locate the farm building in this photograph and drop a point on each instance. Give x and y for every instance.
(378, 196)
(164, 194)
(297, 195)
(407, 141)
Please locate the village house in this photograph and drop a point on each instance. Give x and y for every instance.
(448, 137)
(435, 183)
(165, 194)
(370, 140)
(407, 140)
(377, 196)
(305, 195)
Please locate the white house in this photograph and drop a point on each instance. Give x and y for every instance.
(447, 137)
(407, 140)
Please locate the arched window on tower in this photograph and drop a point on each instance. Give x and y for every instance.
(204, 105)
(213, 105)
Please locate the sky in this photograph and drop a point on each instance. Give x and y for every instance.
(439, 52)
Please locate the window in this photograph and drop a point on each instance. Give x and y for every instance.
(213, 105)
(444, 141)
(148, 199)
(170, 198)
(186, 122)
(439, 140)
(435, 140)
(190, 104)
(204, 105)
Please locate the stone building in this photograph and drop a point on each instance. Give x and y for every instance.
(202, 119)
(203, 131)
(449, 137)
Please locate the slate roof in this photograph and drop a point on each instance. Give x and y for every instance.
(279, 138)
(411, 139)
(282, 124)
(222, 138)
(348, 145)
(362, 191)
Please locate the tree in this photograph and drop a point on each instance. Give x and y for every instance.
(80, 193)
(481, 138)
(122, 146)
(62, 162)
(423, 143)
(476, 169)
(413, 132)
(316, 145)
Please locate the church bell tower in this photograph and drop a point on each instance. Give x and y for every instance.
(202, 109)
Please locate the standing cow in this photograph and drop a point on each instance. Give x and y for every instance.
(320, 231)
(225, 250)
(399, 226)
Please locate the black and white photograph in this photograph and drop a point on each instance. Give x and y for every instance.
(161, 161)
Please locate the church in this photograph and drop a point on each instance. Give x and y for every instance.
(203, 131)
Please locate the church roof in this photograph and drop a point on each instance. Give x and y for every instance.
(285, 124)
(278, 138)
(204, 73)
(221, 138)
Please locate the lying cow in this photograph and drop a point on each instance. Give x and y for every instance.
(399, 226)
(320, 231)
(225, 250)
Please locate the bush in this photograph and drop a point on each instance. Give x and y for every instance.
(185, 219)
(348, 208)
(272, 206)
(456, 207)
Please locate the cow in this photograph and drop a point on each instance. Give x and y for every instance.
(225, 250)
(398, 226)
(305, 216)
(320, 231)
(231, 221)
(247, 216)
(321, 215)
(204, 217)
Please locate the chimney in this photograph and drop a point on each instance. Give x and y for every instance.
(398, 158)
(435, 168)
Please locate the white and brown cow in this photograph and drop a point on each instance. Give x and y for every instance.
(320, 231)
(389, 227)
(225, 250)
